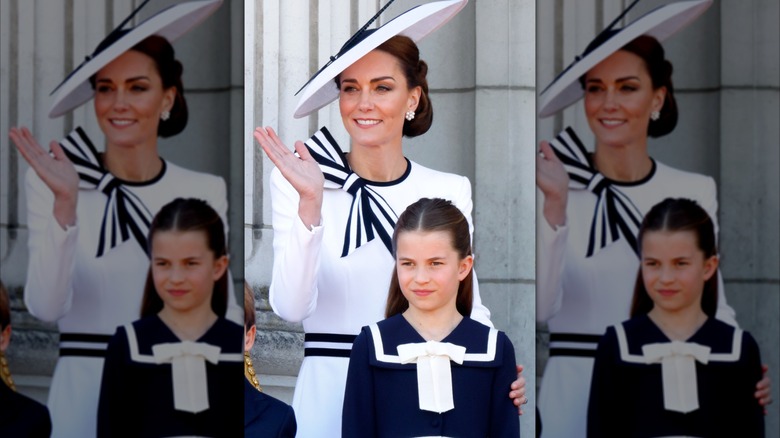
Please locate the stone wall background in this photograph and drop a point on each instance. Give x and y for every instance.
(727, 85)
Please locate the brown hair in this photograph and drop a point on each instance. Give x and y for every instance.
(5, 307)
(189, 215)
(249, 307)
(429, 215)
(415, 71)
(677, 215)
(170, 71)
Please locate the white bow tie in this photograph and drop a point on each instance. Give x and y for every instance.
(678, 368)
(188, 363)
(434, 376)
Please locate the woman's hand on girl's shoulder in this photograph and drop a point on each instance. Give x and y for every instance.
(55, 170)
(517, 391)
(764, 389)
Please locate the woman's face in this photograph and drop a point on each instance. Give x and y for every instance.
(429, 269)
(184, 270)
(619, 98)
(674, 270)
(374, 99)
(129, 99)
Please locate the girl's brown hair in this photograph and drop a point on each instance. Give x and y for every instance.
(678, 215)
(429, 215)
(189, 215)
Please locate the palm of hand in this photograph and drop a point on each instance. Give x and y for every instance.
(54, 169)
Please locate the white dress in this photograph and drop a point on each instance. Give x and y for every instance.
(87, 296)
(334, 295)
(580, 297)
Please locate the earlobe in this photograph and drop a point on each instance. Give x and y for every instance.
(465, 267)
(660, 98)
(710, 267)
(220, 266)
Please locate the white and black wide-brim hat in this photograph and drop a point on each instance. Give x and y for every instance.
(660, 23)
(416, 23)
(170, 23)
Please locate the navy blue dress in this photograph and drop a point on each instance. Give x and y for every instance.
(627, 400)
(265, 416)
(381, 396)
(136, 396)
(21, 416)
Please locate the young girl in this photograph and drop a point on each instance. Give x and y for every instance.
(673, 369)
(428, 369)
(178, 370)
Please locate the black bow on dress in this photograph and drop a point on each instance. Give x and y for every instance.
(369, 215)
(124, 213)
(615, 214)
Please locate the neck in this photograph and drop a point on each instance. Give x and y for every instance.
(189, 325)
(375, 163)
(433, 325)
(137, 164)
(625, 163)
(680, 325)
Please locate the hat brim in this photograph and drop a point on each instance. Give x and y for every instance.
(660, 23)
(170, 23)
(416, 23)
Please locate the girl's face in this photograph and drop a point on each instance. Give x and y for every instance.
(674, 269)
(185, 269)
(129, 99)
(619, 99)
(374, 99)
(429, 269)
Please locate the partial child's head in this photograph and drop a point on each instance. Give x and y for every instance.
(5, 318)
(188, 259)
(250, 327)
(432, 249)
(679, 259)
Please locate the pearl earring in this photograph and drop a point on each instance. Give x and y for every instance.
(409, 115)
(165, 115)
(655, 115)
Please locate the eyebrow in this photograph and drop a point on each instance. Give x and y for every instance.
(623, 79)
(381, 78)
(133, 79)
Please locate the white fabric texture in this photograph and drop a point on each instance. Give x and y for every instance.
(66, 283)
(332, 294)
(434, 374)
(678, 370)
(576, 294)
(188, 366)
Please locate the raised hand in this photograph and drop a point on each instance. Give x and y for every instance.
(553, 181)
(55, 170)
(301, 171)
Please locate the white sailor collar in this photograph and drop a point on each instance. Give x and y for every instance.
(481, 343)
(723, 340)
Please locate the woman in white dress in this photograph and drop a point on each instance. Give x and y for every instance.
(594, 203)
(332, 261)
(89, 212)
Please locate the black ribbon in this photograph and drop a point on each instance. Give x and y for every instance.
(369, 215)
(357, 37)
(600, 39)
(112, 37)
(125, 213)
(615, 215)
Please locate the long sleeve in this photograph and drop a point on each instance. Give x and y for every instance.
(293, 292)
(116, 400)
(709, 201)
(748, 416)
(464, 203)
(550, 252)
(604, 407)
(504, 421)
(357, 418)
(48, 293)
